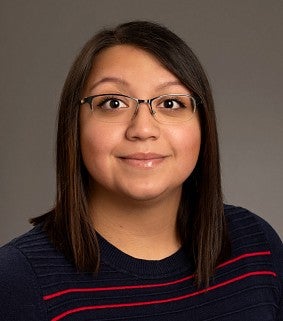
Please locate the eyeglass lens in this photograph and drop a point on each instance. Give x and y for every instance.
(166, 108)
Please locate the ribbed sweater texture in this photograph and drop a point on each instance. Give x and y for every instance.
(37, 283)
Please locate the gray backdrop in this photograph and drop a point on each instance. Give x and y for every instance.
(239, 42)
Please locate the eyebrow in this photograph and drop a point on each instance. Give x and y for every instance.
(124, 83)
(115, 80)
(169, 84)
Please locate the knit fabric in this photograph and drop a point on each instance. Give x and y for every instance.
(38, 284)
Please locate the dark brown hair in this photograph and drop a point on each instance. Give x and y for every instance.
(200, 221)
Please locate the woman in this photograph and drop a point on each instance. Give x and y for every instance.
(139, 229)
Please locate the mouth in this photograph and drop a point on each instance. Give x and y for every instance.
(143, 160)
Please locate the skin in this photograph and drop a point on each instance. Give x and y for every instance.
(137, 169)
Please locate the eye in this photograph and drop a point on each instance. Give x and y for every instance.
(171, 103)
(110, 103)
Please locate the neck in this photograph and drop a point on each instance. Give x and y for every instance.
(142, 229)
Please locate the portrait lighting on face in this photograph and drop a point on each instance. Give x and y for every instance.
(155, 144)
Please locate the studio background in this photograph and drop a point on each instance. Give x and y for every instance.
(239, 43)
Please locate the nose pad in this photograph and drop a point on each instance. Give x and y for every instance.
(147, 102)
(143, 127)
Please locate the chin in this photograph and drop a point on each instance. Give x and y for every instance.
(147, 195)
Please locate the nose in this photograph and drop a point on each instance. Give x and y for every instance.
(148, 103)
(143, 125)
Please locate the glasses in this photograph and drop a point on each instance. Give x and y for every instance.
(115, 108)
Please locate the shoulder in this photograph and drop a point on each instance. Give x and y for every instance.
(257, 249)
(249, 233)
(12, 257)
(30, 253)
(249, 227)
(20, 293)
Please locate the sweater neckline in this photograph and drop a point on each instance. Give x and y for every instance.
(175, 264)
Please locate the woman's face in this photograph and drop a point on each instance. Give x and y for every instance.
(142, 159)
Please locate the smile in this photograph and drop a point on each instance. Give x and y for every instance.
(143, 160)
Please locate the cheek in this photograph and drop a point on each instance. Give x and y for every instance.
(186, 145)
(192, 144)
(94, 143)
(98, 142)
(190, 153)
(91, 144)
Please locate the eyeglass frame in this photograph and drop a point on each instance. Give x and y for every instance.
(89, 100)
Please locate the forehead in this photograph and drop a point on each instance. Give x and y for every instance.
(124, 54)
(128, 66)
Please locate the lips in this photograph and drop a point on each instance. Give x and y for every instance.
(143, 160)
(143, 156)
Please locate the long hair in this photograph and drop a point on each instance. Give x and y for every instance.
(200, 219)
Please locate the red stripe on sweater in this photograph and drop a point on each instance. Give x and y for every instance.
(115, 288)
(186, 296)
(243, 256)
(144, 286)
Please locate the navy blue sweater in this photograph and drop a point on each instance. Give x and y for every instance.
(38, 284)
